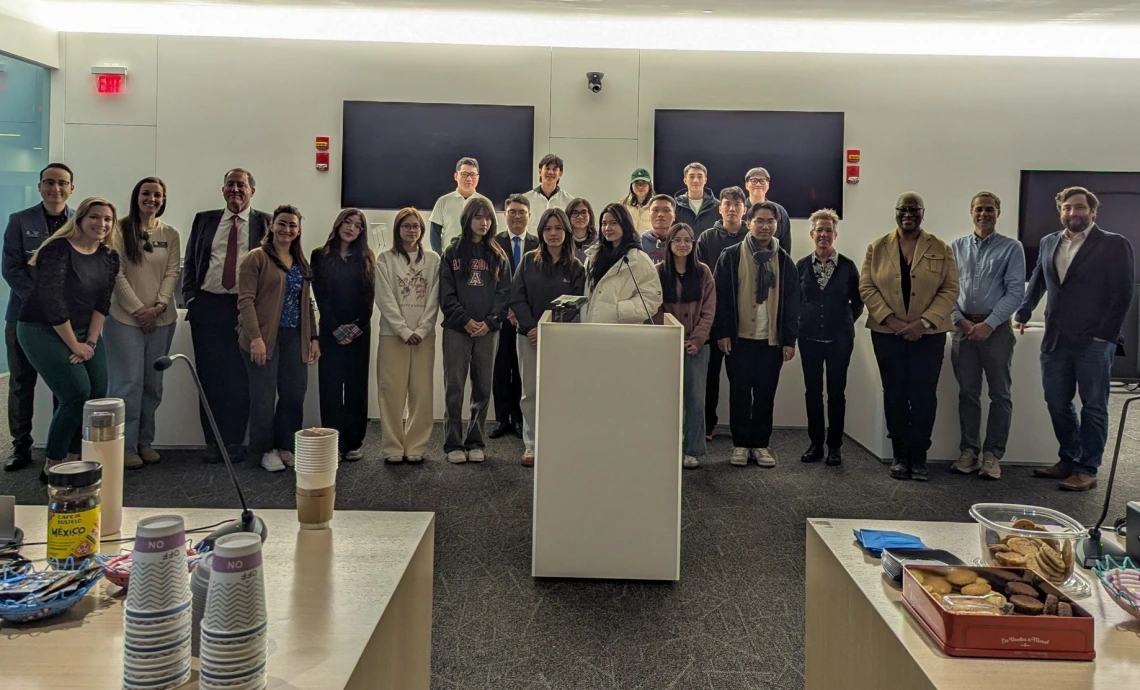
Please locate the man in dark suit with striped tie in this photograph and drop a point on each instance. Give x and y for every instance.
(507, 384)
(219, 240)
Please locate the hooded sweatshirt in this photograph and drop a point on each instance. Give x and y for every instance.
(478, 295)
(715, 240)
(698, 221)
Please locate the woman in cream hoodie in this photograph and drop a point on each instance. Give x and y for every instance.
(407, 292)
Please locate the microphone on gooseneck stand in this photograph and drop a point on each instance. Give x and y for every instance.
(1093, 547)
(248, 522)
(625, 260)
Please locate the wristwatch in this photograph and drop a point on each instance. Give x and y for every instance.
(161, 306)
(90, 344)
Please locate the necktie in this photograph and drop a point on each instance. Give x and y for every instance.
(518, 253)
(229, 270)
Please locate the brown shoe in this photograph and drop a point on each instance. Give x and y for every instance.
(1079, 482)
(1061, 470)
(149, 455)
(132, 461)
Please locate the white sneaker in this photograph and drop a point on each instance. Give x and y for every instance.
(286, 457)
(354, 454)
(457, 457)
(271, 462)
(739, 457)
(415, 459)
(476, 455)
(763, 457)
(690, 462)
(391, 459)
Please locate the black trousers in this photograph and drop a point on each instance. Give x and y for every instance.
(753, 374)
(343, 387)
(277, 395)
(910, 373)
(221, 366)
(506, 384)
(712, 387)
(22, 379)
(835, 357)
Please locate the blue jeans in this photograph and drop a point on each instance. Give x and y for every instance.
(693, 425)
(1065, 372)
(131, 376)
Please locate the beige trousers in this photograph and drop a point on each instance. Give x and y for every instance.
(404, 376)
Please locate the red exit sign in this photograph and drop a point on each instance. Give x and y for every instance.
(109, 84)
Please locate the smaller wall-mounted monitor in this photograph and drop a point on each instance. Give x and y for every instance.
(404, 154)
(1118, 192)
(802, 151)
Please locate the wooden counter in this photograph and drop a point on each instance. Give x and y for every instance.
(349, 607)
(859, 636)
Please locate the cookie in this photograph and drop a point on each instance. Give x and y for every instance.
(1051, 574)
(995, 598)
(918, 576)
(998, 547)
(977, 590)
(1010, 558)
(961, 576)
(1051, 603)
(1026, 605)
(937, 585)
(1023, 546)
(1022, 589)
(1026, 523)
(1064, 610)
(1003, 575)
(1050, 557)
(1067, 554)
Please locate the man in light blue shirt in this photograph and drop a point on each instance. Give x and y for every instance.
(991, 280)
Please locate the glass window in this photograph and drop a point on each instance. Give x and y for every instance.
(24, 94)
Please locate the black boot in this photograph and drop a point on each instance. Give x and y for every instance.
(501, 429)
(834, 457)
(900, 469)
(20, 458)
(814, 453)
(918, 471)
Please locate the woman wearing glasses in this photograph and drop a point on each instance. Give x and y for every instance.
(689, 294)
(909, 284)
(637, 201)
(621, 281)
(583, 230)
(143, 315)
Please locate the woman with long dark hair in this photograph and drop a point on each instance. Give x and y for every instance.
(583, 226)
(61, 321)
(544, 275)
(689, 294)
(637, 201)
(474, 285)
(620, 278)
(407, 292)
(277, 330)
(143, 315)
(344, 271)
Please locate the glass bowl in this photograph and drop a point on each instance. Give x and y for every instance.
(1043, 540)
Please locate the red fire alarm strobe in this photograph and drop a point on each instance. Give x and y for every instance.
(109, 80)
(853, 174)
(322, 143)
(853, 156)
(322, 161)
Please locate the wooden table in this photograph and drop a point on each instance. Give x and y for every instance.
(860, 636)
(349, 607)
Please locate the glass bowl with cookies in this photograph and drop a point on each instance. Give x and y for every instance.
(1043, 540)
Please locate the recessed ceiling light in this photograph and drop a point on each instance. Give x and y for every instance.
(707, 11)
(8, 134)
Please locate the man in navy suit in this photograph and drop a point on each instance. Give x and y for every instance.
(219, 240)
(507, 382)
(1089, 275)
(26, 231)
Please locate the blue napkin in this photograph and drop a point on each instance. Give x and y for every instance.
(875, 540)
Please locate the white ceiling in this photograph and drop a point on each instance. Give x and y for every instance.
(987, 11)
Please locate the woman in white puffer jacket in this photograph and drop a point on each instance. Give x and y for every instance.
(621, 280)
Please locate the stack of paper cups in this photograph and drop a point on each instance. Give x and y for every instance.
(232, 649)
(199, 588)
(316, 458)
(157, 623)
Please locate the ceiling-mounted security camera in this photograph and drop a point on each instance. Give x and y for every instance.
(594, 81)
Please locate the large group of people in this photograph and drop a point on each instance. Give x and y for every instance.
(260, 313)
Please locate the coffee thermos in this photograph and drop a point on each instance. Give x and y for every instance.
(104, 423)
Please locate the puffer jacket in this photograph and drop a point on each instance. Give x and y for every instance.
(615, 298)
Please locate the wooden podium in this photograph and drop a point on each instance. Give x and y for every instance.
(607, 481)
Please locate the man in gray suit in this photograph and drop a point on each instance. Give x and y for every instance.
(26, 231)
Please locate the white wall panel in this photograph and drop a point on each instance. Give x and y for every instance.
(134, 107)
(597, 169)
(576, 111)
(97, 154)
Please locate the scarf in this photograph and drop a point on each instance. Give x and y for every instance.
(762, 258)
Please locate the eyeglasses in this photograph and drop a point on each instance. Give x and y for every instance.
(681, 240)
(757, 181)
(468, 175)
(412, 227)
(517, 214)
(909, 210)
(579, 213)
(763, 222)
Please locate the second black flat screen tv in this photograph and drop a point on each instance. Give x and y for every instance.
(404, 154)
(802, 151)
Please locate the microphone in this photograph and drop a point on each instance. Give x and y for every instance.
(625, 260)
(1093, 547)
(248, 522)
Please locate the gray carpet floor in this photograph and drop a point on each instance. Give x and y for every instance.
(736, 618)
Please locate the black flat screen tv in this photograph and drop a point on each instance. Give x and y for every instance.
(1119, 212)
(802, 151)
(404, 154)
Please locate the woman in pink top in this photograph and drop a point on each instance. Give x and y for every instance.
(690, 296)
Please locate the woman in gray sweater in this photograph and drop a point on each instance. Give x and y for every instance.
(544, 275)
